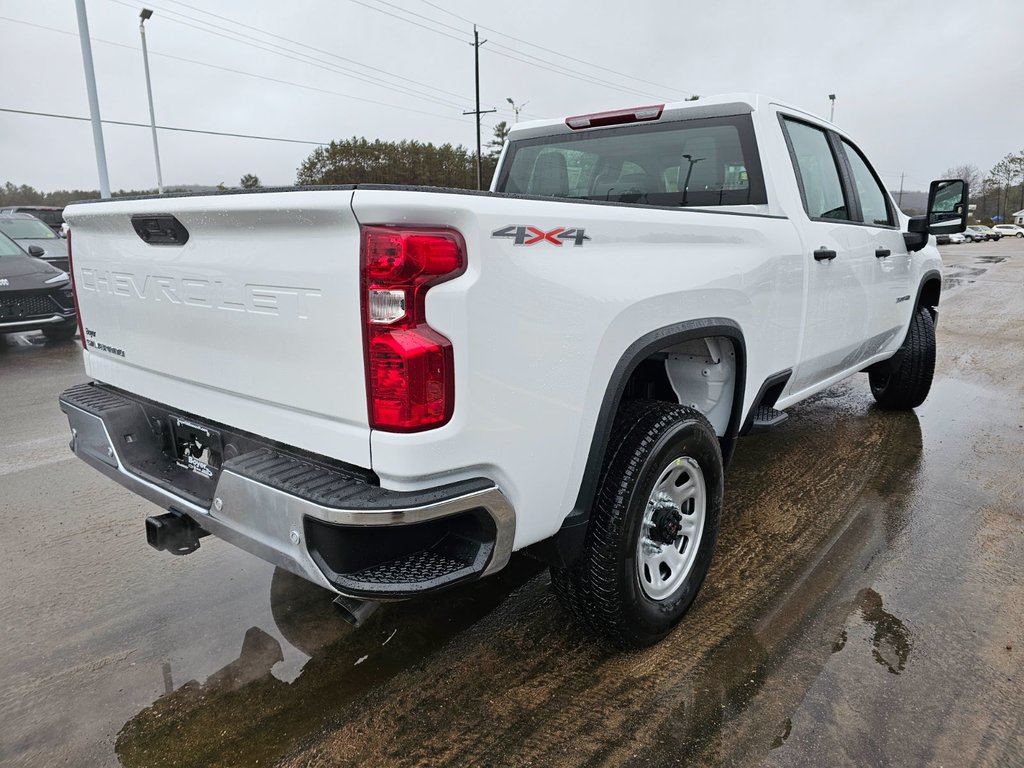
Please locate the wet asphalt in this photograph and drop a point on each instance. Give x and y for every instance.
(865, 606)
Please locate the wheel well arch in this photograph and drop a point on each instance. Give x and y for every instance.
(930, 289)
(642, 373)
(928, 292)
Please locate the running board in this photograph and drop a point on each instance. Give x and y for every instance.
(767, 418)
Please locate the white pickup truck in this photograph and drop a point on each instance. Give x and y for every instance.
(389, 390)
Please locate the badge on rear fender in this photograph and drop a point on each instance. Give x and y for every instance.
(527, 235)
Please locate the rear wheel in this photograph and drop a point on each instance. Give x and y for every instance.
(653, 527)
(904, 381)
(64, 332)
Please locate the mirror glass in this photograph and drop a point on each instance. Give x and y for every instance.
(947, 212)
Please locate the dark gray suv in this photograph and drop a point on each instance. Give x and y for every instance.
(36, 238)
(34, 296)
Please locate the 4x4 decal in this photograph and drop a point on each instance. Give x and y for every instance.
(526, 235)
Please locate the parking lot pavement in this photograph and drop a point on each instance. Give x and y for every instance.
(864, 606)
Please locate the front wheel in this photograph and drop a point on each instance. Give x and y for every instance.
(904, 382)
(653, 527)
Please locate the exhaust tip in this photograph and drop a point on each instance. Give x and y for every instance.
(355, 612)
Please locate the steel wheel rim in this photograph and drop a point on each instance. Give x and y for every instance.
(672, 528)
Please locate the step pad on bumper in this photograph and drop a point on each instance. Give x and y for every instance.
(416, 568)
(334, 487)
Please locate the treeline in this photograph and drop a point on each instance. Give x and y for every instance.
(358, 161)
(350, 161)
(23, 194)
(999, 193)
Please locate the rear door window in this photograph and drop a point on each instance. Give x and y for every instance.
(817, 171)
(703, 162)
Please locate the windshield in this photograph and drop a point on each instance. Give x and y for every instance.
(26, 229)
(8, 247)
(701, 162)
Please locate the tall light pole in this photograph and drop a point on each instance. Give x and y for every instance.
(832, 110)
(94, 101)
(516, 109)
(143, 15)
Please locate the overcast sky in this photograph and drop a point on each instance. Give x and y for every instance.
(920, 85)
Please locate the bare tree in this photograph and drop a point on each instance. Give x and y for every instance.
(968, 173)
(1003, 175)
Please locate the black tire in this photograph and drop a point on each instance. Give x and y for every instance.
(907, 385)
(602, 590)
(64, 332)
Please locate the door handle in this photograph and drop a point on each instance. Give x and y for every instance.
(824, 254)
(881, 253)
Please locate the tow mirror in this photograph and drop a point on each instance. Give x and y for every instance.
(947, 207)
(947, 213)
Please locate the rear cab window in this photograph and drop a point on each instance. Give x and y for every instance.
(694, 163)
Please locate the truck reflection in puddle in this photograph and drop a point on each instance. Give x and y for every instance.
(243, 714)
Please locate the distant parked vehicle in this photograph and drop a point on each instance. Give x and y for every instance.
(989, 232)
(1009, 230)
(31, 233)
(51, 215)
(955, 239)
(33, 295)
(974, 234)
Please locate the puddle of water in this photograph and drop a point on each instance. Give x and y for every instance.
(890, 639)
(243, 714)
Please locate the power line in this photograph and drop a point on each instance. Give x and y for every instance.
(239, 71)
(317, 50)
(286, 53)
(166, 127)
(409, 21)
(558, 68)
(560, 53)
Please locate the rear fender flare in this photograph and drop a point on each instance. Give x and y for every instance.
(566, 545)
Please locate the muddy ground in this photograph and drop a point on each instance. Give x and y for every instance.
(866, 605)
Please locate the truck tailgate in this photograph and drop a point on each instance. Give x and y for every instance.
(255, 318)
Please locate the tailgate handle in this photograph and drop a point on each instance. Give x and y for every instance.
(160, 230)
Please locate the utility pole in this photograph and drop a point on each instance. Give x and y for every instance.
(900, 202)
(143, 15)
(832, 109)
(477, 42)
(94, 101)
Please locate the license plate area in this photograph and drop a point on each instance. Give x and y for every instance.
(196, 447)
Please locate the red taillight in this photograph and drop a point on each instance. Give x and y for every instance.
(74, 293)
(410, 368)
(616, 117)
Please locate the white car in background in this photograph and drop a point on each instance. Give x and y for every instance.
(956, 238)
(1009, 230)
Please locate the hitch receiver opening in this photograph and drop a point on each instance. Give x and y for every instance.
(174, 532)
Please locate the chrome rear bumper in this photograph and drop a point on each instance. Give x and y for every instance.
(338, 538)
